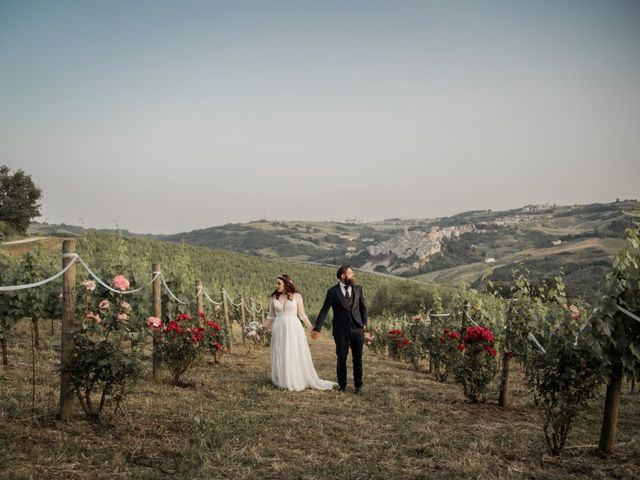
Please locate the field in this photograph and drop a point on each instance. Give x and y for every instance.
(232, 423)
(607, 247)
(184, 264)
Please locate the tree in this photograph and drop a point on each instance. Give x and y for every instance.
(616, 332)
(19, 199)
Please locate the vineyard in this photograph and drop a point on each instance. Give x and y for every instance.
(165, 372)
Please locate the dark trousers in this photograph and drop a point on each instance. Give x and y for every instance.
(354, 338)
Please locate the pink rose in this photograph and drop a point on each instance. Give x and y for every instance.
(125, 305)
(90, 285)
(104, 305)
(92, 316)
(122, 317)
(575, 313)
(217, 308)
(154, 322)
(120, 282)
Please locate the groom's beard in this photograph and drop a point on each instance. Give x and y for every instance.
(351, 282)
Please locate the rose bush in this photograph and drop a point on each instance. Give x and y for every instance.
(475, 365)
(103, 362)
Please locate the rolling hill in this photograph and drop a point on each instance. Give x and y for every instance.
(470, 247)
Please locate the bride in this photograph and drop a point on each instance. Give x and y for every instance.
(291, 364)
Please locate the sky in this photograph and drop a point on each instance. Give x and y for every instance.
(163, 117)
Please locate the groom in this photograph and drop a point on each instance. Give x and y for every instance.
(346, 299)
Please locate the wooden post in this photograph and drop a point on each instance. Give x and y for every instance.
(3, 342)
(612, 399)
(36, 332)
(465, 316)
(253, 309)
(243, 316)
(227, 325)
(503, 400)
(611, 408)
(200, 299)
(157, 312)
(68, 328)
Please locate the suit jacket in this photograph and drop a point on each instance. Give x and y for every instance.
(342, 314)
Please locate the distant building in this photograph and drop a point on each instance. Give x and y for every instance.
(537, 208)
(489, 260)
(556, 242)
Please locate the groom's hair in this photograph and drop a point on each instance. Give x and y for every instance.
(343, 269)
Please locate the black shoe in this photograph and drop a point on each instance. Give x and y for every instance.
(358, 391)
(342, 389)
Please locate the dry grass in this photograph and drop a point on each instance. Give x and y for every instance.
(52, 245)
(470, 272)
(234, 424)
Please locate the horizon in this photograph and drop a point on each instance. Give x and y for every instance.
(293, 220)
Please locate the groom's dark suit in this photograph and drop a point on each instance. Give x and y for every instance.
(349, 320)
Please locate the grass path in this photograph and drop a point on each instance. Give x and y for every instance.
(234, 424)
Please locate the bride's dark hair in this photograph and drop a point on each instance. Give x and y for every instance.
(289, 287)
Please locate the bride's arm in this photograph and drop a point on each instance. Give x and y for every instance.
(301, 315)
(271, 315)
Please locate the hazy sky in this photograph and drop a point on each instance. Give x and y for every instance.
(171, 116)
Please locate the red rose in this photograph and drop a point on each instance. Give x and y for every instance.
(173, 327)
(453, 335)
(461, 346)
(491, 351)
(477, 333)
(214, 325)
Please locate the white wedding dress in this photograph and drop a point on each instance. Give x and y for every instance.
(291, 364)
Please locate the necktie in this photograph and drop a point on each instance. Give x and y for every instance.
(346, 290)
